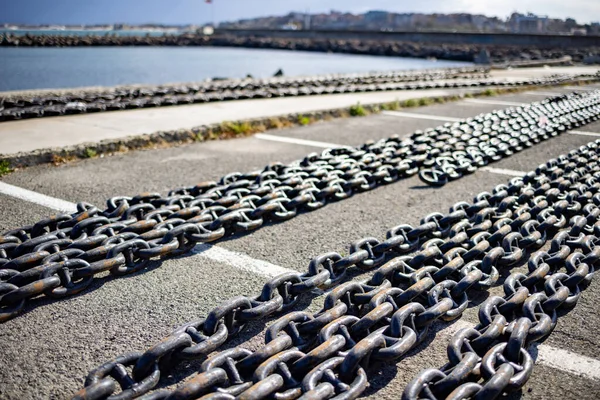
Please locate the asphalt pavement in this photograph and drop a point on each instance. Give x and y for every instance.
(48, 350)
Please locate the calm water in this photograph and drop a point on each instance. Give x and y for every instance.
(37, 68)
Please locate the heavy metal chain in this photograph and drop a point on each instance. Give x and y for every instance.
(30, 106)
(240, 84)
(327, 354)
(21, 108)
(494, 357)
(59, 256)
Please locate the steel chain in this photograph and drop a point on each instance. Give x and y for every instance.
(60, 255)
(21, 107)
(494, 357)
(327, 354)
(119, 99)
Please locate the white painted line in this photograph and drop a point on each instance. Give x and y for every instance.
(239, 261)
(583, 133)
(495, 102)
(545, 94)
(38, 198)
(502, 171)
(421, 116)
(567, 361)
(312, 143)
(562, 360)
(580, 88)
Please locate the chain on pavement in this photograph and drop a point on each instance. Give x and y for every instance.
(328, 354)
(14, 108)
(60, 256)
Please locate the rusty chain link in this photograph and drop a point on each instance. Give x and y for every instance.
(59, 256)
(328, 354)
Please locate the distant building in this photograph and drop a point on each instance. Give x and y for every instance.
(383, 20)
(529, 23)
(378, 20)
(402, 20)
(307, 22)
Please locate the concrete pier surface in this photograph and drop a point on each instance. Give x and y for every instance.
(49, 349)
(35, 134)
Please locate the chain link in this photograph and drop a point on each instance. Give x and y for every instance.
(60, 255)
(424, 273)
(329, 353)
(494, 357)
(15, 108)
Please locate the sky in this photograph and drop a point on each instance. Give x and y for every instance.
(198, 12)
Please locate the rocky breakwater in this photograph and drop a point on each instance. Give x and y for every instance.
(457, 52)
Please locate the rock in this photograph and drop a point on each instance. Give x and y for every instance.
(591, 59)
(483, 57)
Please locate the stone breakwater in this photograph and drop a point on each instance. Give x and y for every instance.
(456, 52)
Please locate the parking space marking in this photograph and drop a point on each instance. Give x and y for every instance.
(38, 198)
(562, 360)
(284, 139)
(545, 94)
(495, 102)
(568, 361)
(502, 171)
(421, 116)
(584, 133)
(240, 261)
(580, 88)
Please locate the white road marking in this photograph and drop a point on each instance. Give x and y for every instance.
(38, 198)
(502, 171)
(580, 88)
(312, 143)
(495, 102)
(239, 260)
(562, 360)
(568, 361)
(421, 116)
(545, 94)
(583, 133)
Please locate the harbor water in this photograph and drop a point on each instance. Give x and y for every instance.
(45, 68)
